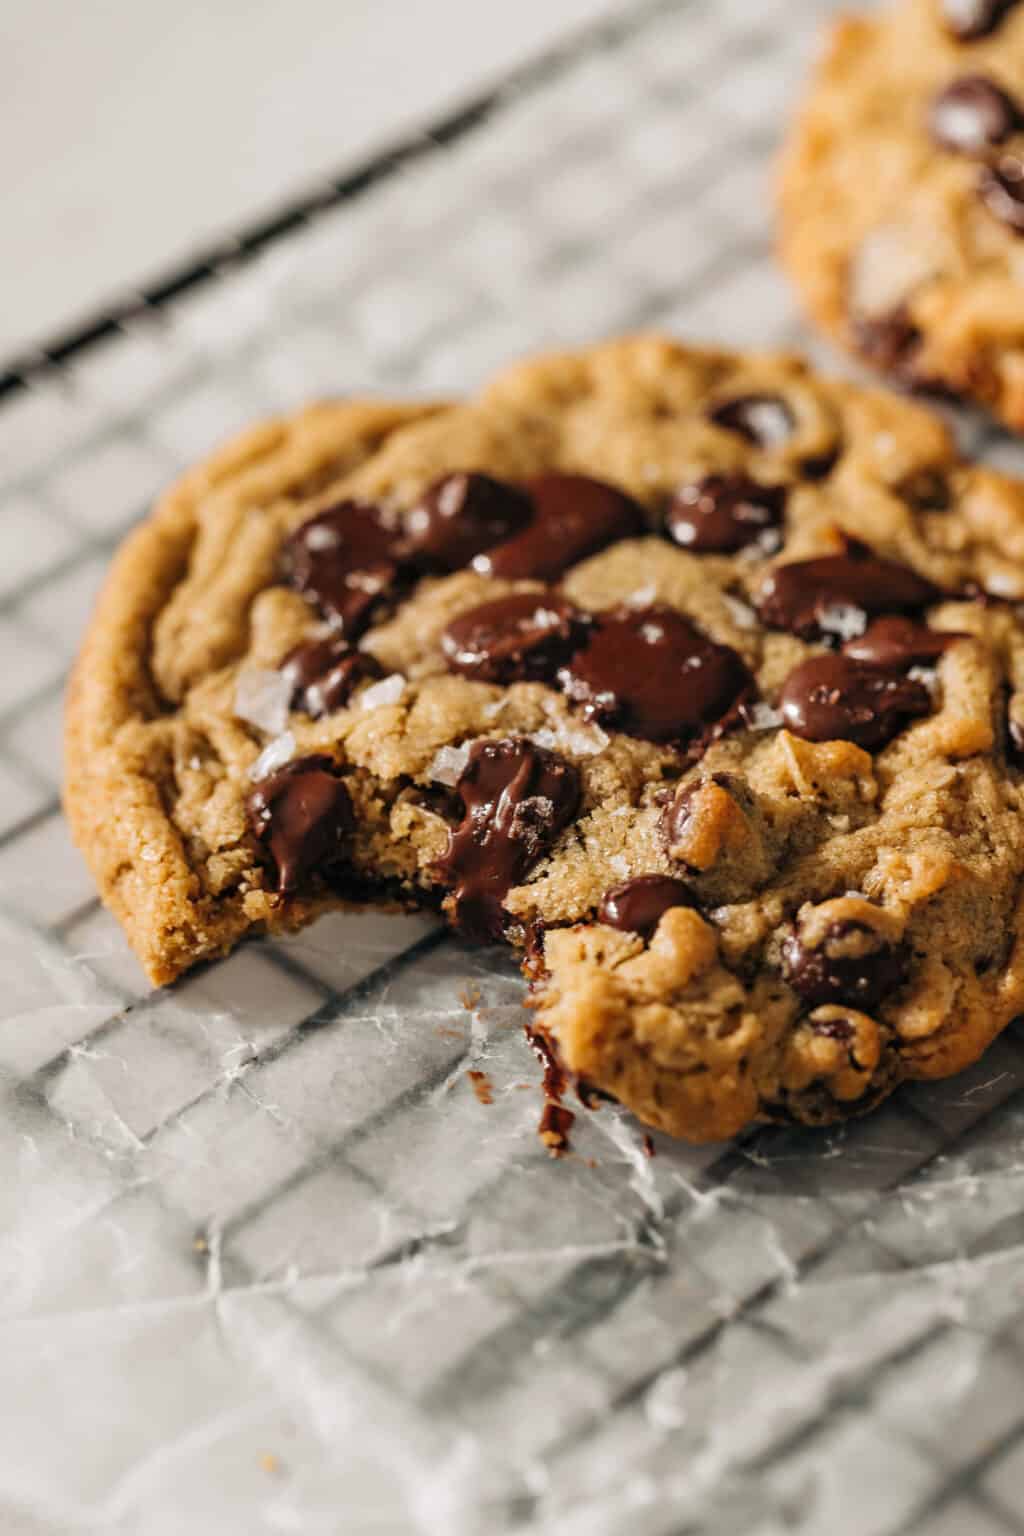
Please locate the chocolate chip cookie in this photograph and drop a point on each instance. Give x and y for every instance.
(696, 676)
(902, 197)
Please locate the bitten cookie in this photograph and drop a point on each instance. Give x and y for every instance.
(902, 197)
(696, 676)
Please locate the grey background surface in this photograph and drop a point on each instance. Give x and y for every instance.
(135, 133)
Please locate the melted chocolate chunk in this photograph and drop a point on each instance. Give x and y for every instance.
(801, 596)
(556, 1122)
(524, 637)
(323, 674)
(345, 561)
(649, 672)
(723, 513)
(827, 975)
(899, 643)
(573, 517)
(972, 115)
(517, 798)
(1002, 191)
(674, 818)
(303, 816)
(971, 19)
(460, 516)
(637, 906)
(764, 420)
(834, 698)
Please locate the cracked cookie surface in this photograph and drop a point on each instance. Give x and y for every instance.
(902, 196)
(696, 675)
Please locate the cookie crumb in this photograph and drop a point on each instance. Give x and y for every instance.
(481, 1085)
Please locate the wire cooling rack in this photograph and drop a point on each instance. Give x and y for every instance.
(268, 1263)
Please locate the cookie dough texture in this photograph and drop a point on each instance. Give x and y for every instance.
(919, 846)
(891, 241)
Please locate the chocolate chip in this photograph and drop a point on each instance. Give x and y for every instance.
(554, 1127)
(636, 906)
(722, 513)
(460, 516)
(888, 341)
(573, 517)
(651, 673)
(323, 674)
(816, 597)
(345, 561)
(899, 643)
(1002, 191)
(524, 637)
(971, 19)
(676, 816)
(972, 115)
(303, 816)
(834, 698)
(928, 490)
(517, 798)
(852, 964)
(764, 420)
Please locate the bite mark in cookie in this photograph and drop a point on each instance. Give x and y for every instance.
(303, 816)
(516, 799)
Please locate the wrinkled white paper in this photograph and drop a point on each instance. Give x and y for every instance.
(267, 1261)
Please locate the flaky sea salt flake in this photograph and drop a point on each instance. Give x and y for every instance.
(262, 697)
(580, 740)
(762, 717)
(448, 765)
(844, 620)
(742, 616)
(388, 691)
